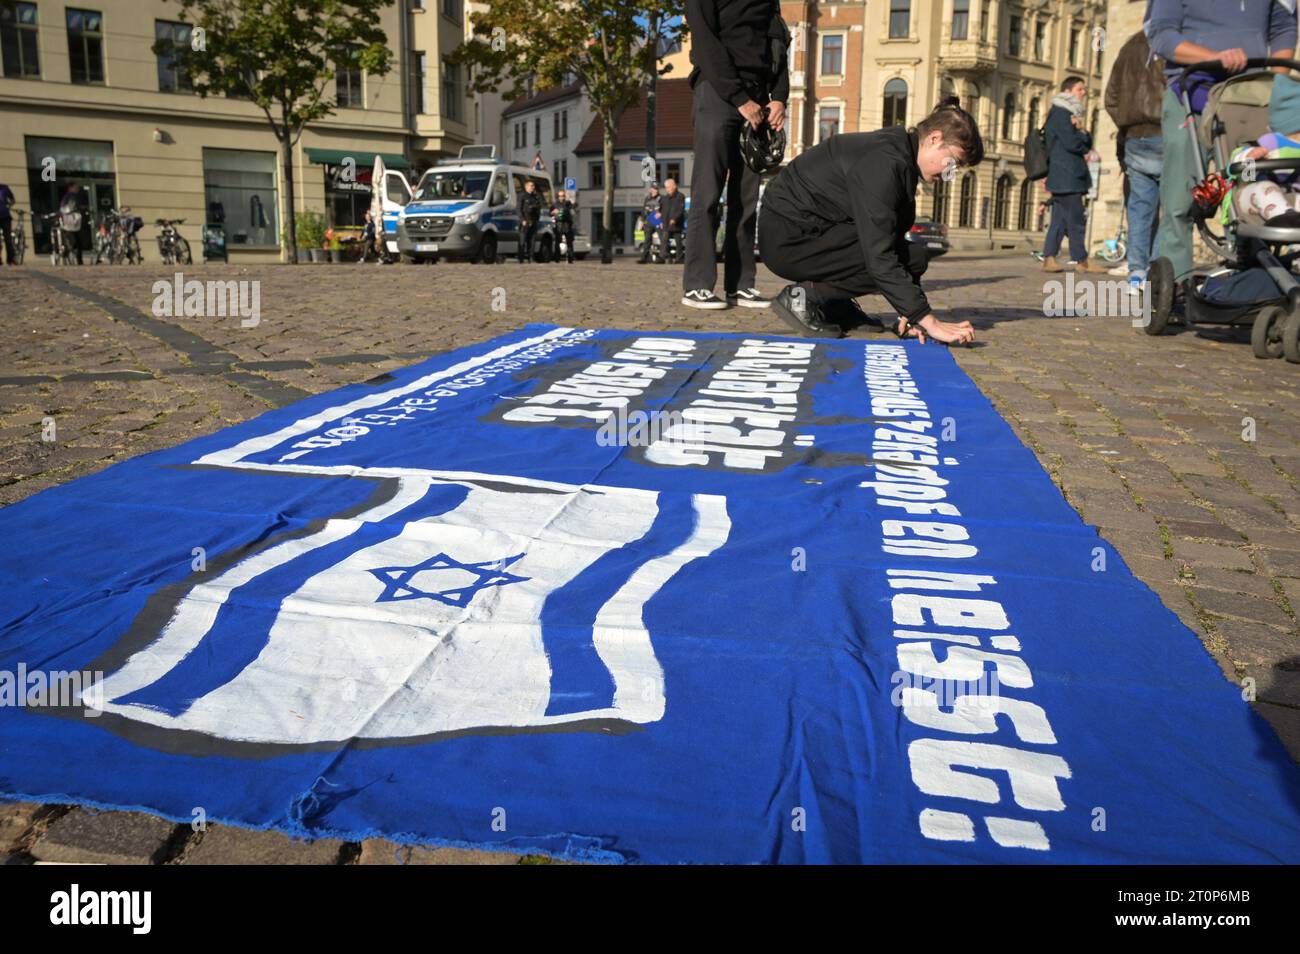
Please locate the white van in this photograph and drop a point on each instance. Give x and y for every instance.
(467, 208)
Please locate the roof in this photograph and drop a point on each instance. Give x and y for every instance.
(552, 95)
(673, 101)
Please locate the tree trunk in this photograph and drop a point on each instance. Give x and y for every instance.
(607, 213)
(290, 218)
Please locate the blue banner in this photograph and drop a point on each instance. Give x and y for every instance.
(624, 596)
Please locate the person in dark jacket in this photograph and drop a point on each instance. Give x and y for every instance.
(564, 215)
(672, 210)
(1068, 179)
(739, 51)
(1137, 84)
(6, 222)
(530, 213)
(835, 222)
(650, 219)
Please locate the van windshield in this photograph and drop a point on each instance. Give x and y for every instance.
(453, 185)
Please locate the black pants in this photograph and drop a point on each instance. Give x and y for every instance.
(567, 236)
(718, 161)
(672, 250)
(6, 227)
(526, 235)
(826, 259)
(1067, 219)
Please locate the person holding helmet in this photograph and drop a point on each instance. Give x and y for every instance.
(740, 76)
(835, 222)
(672, 212)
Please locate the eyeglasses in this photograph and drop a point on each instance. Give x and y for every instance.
(959, 162)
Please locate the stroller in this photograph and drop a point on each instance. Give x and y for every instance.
(1255, 284)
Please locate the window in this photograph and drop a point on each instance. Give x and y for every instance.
(966, 208)
(347, 79)
(419, 82)
(451, 91)
(597, 171)
(1040, 41)
(347, 200)
(973, 101)
(940, 212)
(537, 131)
(451, 184)
(960, 19)
(895, 103)
(1074, 46)
(500, 190)
(984, 20)
(833, 54)
(669, 170)
(561, 167)
(521, 135)
(18, 40)
(242, 186)
(1023, 220)
(1009, 116)
(828, 122)
(1013, 35)
(172, 77)
(86, 46)
(1031, 118)
(560, 124)
(900, 13)
(451, 10)
(1002, 203)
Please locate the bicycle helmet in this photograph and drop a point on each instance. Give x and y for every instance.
(762, 148)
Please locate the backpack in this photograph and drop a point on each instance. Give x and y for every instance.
(1036, 154)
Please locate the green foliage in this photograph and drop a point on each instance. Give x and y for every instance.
(310, 229)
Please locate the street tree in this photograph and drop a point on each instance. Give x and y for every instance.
(284, 56)
(602, 44)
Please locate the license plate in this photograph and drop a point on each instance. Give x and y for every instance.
(934, 245)
(427, 247)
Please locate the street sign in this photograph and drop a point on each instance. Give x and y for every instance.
(570, 184)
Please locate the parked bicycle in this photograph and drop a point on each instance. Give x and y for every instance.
(128, 242)
(172, 246)
(20, 236)
(60, 241)
(106, 238)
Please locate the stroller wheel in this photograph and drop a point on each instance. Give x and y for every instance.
(1266, 333)
(1161, 278)
(1291, 337)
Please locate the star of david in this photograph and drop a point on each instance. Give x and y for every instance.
(399, 585)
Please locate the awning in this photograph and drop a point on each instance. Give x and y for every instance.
(362, 157)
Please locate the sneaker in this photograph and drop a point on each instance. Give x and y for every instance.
(1120, 269)
(749, 297)
(1135, 284)
(803, 317)
(703, 298)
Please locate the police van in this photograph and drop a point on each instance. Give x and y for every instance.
(467, 208)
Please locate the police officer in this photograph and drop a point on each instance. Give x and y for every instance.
(650, 217)
(530, 213)
(564, 215)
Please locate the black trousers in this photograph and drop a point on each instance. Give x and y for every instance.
(826, 259)
(526, 235)
(718, 162)
(672, 250)
(6, 227)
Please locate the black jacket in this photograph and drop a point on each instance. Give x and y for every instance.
(740, 47)
(652, 203)
(672, 209)
(563, 214)
(1067, 172)
(869, 180)
(530, 208)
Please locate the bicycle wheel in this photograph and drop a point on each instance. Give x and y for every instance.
(182, 249)
(20, 247)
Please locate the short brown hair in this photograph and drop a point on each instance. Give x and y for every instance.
(958, 128)
(1070, 82)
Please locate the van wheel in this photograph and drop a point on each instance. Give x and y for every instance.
(1266, 333)
(1161, 277)
(487, 250)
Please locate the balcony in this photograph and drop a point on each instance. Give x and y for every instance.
(974, 56)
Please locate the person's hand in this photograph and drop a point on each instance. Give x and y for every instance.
(960, 332)
(776, 115)
(1234, 60)
(1092, 156)
(752, 112)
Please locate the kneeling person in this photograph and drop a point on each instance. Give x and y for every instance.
(835, 222)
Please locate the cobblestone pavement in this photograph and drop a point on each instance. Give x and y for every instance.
(1146, 437)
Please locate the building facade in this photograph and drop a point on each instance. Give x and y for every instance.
(85, 100)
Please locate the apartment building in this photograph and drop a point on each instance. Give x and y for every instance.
(545, 128)
(84, 99)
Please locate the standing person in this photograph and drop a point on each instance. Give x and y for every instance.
(740, 75)
(1133, 95)
(1069, 147)
(368, 240)
(72, 214)
(1192, 31)
(672, 211)
(530, 213)
(6, 221)
(650, 219)
(564, 215)
(835, 221)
